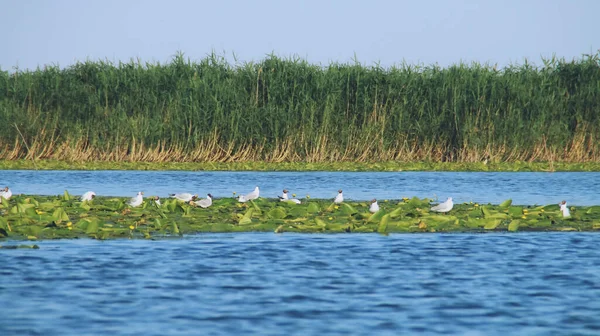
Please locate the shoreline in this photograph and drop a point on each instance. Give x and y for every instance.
(386, 166)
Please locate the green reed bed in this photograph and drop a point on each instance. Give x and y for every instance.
(26, 217)
(287, 110)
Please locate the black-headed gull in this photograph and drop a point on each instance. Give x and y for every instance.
(374, 206)
(251, 196)
(564, 209)
(137, 200)
(204, 203)
(88, 196)
(444, 207)
(5, 193)
(185, 197)
(284, 197)
(339, 198)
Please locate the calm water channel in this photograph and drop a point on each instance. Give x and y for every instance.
(523, 188)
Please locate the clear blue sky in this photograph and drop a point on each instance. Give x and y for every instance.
(38, 32)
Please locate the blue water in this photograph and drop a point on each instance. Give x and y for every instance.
(523, 188)
(311, 284)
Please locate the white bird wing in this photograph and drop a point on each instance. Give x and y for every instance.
(204, 203)
(442, 207)
(87, 196)
(252, 195)
(135, 201)
(183, 196)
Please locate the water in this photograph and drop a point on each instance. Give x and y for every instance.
(312, 284)
(577, 188)
(268, 284)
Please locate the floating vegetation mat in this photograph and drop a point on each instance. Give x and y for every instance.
(26, 217)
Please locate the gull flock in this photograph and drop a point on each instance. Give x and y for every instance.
(192, 199)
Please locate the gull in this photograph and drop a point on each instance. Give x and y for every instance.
(251, 196)
(203, 203)
(5, 193)
(137, 200)
(285, 198)
(185, 197)
(564, 209)
(374, 206)
(444, 207)
(156, 200)
(339, 198)
(88, 196)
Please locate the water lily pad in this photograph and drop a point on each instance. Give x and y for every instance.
(491, 224)
(396, 212)
(313, 207)
(277, 213)
(92, 226)
(60, 215)
(514, 211)
(247, 217)
(383, 224)
(376, 217)
(486, 212)
(348, 209)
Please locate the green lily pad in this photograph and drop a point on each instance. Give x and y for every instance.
(383, 224)
(277, 213)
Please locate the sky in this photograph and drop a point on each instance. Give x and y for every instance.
(386, 32)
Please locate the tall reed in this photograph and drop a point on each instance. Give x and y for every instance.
(289, 110)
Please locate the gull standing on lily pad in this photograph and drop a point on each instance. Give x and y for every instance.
(444, 207)
(137, 200)
(285, 198)
(251, 196)
(5, 193)
(88, 196)
(339, 198)
(374, 206)
(203, 203)
(564, 209)
(185, 197)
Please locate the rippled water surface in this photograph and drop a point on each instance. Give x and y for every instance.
(312, 284)
(523, 188)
